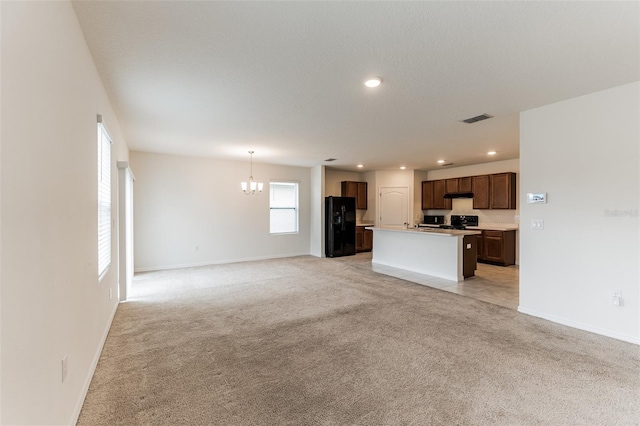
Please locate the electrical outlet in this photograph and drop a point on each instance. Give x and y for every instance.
(537, 224)
(616, 297)
(64, 368)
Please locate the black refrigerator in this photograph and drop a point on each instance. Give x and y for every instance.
(340, 226)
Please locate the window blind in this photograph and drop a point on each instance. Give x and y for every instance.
(283, 205)
(104, 199)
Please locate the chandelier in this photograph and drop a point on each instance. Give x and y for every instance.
(250, 188)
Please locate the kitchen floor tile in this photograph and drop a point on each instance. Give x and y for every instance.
(492, 284)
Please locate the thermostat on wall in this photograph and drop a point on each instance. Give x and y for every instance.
(540, 197)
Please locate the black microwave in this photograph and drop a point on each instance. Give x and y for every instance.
(433, 220)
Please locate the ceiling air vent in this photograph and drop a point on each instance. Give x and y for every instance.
(446, 164)
(330, 159)
(477, 118)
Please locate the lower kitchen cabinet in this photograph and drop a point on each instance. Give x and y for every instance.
(497, 247)
(364, 239)
(469, 256)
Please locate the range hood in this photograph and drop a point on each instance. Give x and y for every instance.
(458, 195)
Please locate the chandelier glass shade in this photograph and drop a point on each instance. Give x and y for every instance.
(251, 187)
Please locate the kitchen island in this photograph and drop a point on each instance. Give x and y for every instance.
(444, 253)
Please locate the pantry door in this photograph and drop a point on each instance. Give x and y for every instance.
(394, 206)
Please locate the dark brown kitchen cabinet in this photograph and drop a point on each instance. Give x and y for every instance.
(427, 195)
(496, 191)
(439, 202)
(357, 190)
(480, 246)
(480, 189)
(367, 240)
(361, 199)
(451, 185)
(469, 256)
(364, 239)
(464, 184)
(503, 191)
(499, 247)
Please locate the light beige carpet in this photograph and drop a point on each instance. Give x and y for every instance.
(309, 341)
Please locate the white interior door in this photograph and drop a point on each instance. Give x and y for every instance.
(394, 206)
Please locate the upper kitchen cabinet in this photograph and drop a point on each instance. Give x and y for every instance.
(480, 189)
(464, 184)
(433, 195)
(503, 191)
(451, 185)
(439, 189)
(358, 190)
(496, 191)
(427, 195)
(361, 199)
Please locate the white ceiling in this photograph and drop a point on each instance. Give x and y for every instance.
(285, 79)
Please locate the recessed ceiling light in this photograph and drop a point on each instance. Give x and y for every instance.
(491, 153)
(360, 166)
(440, 161)
(402, 167)
(373, 82)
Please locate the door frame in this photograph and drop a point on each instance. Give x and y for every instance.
(125, 229)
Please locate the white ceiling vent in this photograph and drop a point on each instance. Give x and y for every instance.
(330, 159)
(477, 118)
(446, 164)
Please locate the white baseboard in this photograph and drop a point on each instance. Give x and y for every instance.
(216, 262)
(92, 370)
(580, 326)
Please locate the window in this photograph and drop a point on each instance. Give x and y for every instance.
(283, 206)
(104, 199)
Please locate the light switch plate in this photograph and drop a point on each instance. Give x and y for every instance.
(537, 224)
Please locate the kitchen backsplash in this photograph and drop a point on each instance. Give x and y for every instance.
(465, 206)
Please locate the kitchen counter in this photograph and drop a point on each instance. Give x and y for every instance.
(483, 227)
(435, 231)
(437, 252)
(496, 227)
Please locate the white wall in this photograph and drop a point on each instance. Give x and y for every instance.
(583, 153)
(317, 211)
(333, 187)
(372, 197)
(333, 180)
(52, 302)
(191, 211)
(418, 177)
